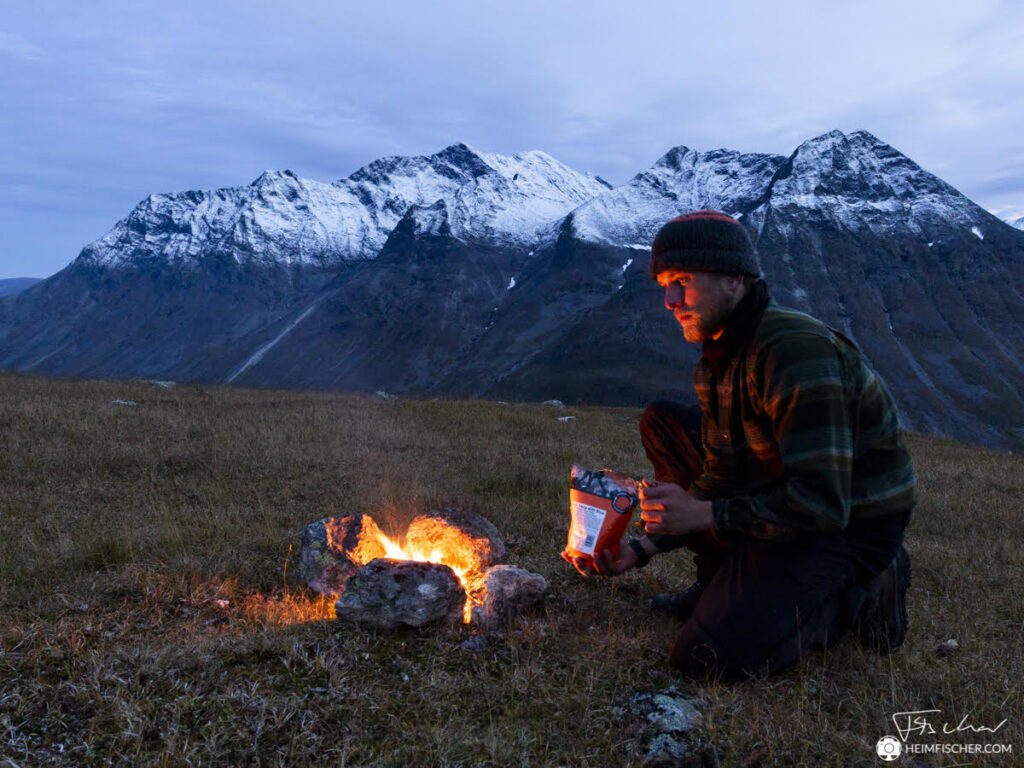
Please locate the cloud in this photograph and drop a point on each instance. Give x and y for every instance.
(113, 101)
(17, 47)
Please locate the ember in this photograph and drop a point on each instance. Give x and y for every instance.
(350, 556)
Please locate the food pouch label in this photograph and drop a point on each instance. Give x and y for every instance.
(586, 523)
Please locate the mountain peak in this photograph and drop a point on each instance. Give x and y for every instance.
(464, 158)
(681, 180)
(855, 165)
(274, 177)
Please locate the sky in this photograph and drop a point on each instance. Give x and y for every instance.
(103, 103)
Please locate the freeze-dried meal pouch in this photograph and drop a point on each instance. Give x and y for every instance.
(601, 503)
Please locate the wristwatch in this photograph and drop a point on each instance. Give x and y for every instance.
(642, 558)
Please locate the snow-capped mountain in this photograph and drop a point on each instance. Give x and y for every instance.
(860, 183)
(682, 180)
(281, 219)
(1017, 223)
(465, 273)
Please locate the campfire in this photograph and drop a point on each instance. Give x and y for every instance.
(445, 567)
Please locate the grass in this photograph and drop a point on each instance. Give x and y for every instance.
(150, 612)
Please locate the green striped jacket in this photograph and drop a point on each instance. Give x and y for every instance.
(800, 434)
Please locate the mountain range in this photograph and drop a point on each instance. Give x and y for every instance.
(471, 274)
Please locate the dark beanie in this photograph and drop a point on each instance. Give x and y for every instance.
(703, 241)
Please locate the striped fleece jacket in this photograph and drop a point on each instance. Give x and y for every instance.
(799, 432)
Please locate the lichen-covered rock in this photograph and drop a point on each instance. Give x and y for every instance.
(671, 718)
(475, 539)
(388, 594)
(507, 592)
(334, 548)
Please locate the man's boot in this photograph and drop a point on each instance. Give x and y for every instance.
(885, 627)
(678, 605)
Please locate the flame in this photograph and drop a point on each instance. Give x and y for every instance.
(453, 560)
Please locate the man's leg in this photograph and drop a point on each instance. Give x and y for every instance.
(670, 433)
(768, 604)
(671, 436)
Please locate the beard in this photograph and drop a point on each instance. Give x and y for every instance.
(701, 325)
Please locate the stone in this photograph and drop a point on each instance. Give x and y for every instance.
(476, 540)
(507, 591)
(334, 548)
(390, 594)
(670, 716)
(947, 648)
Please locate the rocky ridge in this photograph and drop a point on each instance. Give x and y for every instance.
(476, 275)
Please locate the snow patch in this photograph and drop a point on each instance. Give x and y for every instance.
(511, 284)
(259, 353)
(977, 232)
(626, 265)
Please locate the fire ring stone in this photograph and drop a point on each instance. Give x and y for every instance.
(388, 594)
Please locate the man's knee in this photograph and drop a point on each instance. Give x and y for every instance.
(655, 414)
(699, 656)
(667, 412)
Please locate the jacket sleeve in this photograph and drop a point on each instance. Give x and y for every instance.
(800, 383)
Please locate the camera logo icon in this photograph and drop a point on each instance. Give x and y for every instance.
(889, 748)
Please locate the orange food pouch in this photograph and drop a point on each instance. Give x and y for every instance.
(601, 503)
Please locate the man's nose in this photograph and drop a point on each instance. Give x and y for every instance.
(674, 296)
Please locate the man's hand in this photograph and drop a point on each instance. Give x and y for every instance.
(668, 508)
(604, 564)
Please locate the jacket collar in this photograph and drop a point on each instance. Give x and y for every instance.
(718, 352)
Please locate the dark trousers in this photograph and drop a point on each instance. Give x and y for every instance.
(765, 603)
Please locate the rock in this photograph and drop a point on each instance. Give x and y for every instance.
(670, 717)
(555, 403)
(947, 648)
(380, 394)
(334, 548)
(476, 540)
(131, 403)
(662, 749)
(566, 418)
(388, 594)
(507, 592)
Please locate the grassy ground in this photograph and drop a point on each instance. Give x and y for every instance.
(150, 612)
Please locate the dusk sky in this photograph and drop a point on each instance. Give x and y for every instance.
(106, 102)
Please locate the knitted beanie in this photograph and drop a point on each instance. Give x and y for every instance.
(703, 241)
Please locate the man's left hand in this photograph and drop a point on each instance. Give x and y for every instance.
(668, 508)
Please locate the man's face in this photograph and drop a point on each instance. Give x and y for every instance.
(700, 301)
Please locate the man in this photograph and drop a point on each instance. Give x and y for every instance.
(790, 482)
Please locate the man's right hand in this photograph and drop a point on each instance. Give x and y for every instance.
(604, 563)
